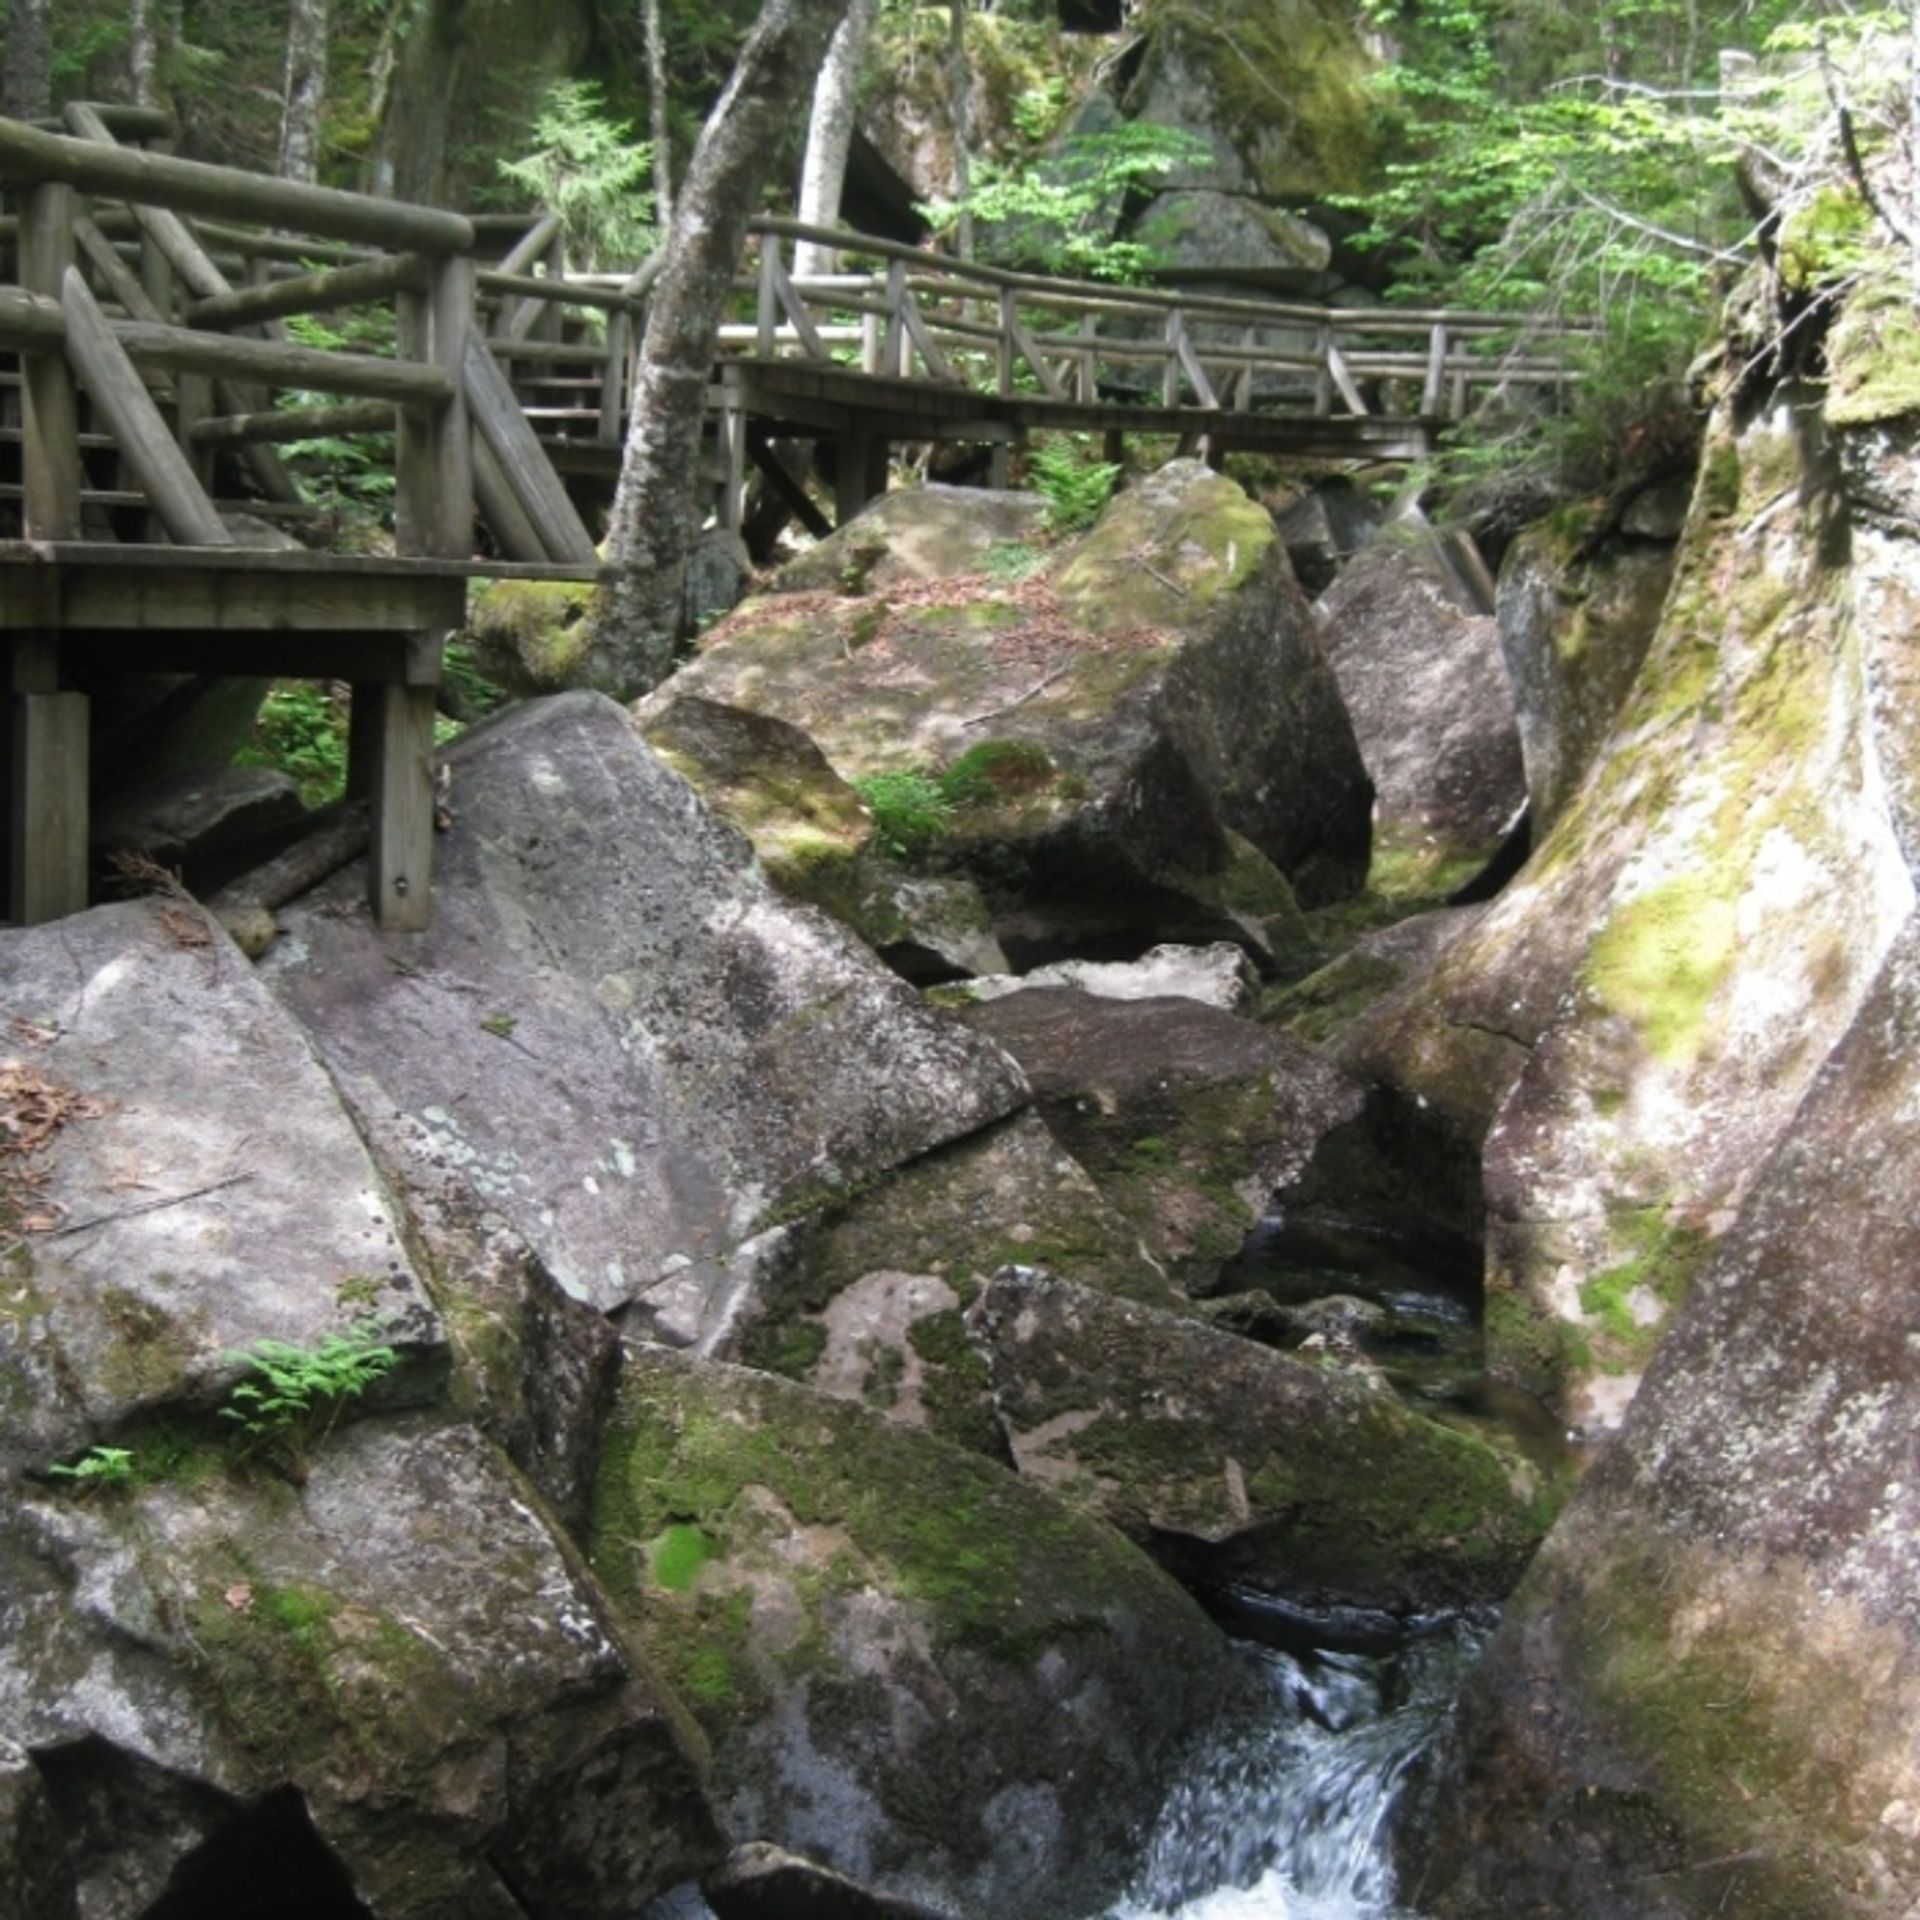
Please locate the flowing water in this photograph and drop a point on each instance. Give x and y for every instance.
(1287, 1818)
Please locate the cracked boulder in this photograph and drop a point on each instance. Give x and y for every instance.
(616, 1042)
(1129, 740)
(910, 1667)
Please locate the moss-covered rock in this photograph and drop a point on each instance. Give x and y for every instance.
(401, 1643)
(1157, 691)
(1188, 1118)
(1629, 1027)
(1704, 1695)
(1241, 1465)
(870, 1305)
(529, 636)
(909, 1665)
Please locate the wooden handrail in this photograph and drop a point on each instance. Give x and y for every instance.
(192, 186)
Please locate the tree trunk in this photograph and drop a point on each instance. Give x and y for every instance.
(306, 90)
(830, 134)
(960, 109)
(28, 90)
(143, 54)
(657, 115)
(638, 617)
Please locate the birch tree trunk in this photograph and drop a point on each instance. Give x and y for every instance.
(638, 617)
(830, 134)
(306, 90)
(143, 54)
(27, 92)
(657, 115)
(960, 109)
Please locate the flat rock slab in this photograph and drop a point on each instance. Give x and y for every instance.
(911, 1666)
(615, 1038)
(1188, 1118)
(1240, 1465)
(197, 1185)
(401, 1642)
(1217, 976)
(916, 534)
(1426, 685)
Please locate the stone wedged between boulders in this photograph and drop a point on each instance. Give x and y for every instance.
(1245, 1467)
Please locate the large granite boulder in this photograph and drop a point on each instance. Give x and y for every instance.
(178, 1181)
(1432, 706)
(910, 1667)
(616, 1042)
(1130, 742)
(1241, 1466)
(1577, 614)
(1188, 1118)
(1703, 1699)
(1625, 1032)
(392, 1679)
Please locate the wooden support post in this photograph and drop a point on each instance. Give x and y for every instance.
(894, 351)
(434, 508)
(1435, 390)
(51, 454)
(850, 471)
(400, 859)
(47, 798)
(733, 451)
(766, 315)
(1323, 380)
(1170, 371)
(610, 431)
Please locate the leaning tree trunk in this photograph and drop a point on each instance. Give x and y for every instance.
(960, 110)
(638, 616)
(143, 54)
(830, 134)
(306, 90)
(27, 92)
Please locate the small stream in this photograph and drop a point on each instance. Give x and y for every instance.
(1287, 1818)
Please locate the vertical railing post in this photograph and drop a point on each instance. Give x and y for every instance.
(1434, 392)
(1170, 372)
(1323, 376)
(51, 449)
(767, 308)
(1085, 385)
(894, 352)
(1009, 319)
(434, 507)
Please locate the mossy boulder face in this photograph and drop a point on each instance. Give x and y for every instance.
(529, 636)
(180, 1180)
(1630, 1026)
(1576, 620)
(1433, 709)
(1277, 90)
(871, 1305)
(909, 1665)
(400, 1648)
(771, 781)
(1320, 1006)
(1703, 1698)
(1187, 1118)
(1239, 1465)
(1100, 730)
(615, 1041)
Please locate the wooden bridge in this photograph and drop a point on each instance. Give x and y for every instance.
(151, 365)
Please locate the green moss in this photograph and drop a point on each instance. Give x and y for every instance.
(529, 634)
(1661, 959)
(994, 769)
(1823, 239)
(678, 1555)
(1632, 1302)
(792, 1348)
(1873, 356)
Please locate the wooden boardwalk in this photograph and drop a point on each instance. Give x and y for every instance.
(151, 373)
